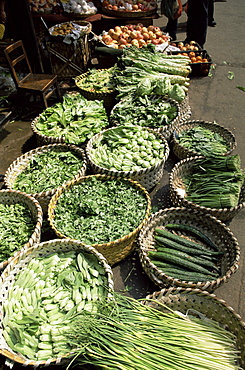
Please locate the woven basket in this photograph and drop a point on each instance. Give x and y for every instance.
(148, 177)
(116, 250)
(21, 163)
(126, 14)
(109, 98)
(217, 231)
(214, 308)
(43, 139)
(185, 109)
(16, 197)
(176, 186)
(182, 152)
(19, 263)
(165, 130)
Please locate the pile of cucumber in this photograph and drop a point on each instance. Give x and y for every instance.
(184, 259)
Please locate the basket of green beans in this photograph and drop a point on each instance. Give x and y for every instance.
(183, 247)
(129, 151)
(41, 171)
(102, 211)
(20, 223)
(196, 137)
(212, 335)
(213, 184)
(43, 290)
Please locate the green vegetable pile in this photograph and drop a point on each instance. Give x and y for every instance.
(215, 182)
(148, 111)
(97, 212)
(145, 71)
(46, 297)
(127, 335)
(127, 148)
(203, 140)
(96, 80)
(16, 228)
(48, 170)
(76, 119)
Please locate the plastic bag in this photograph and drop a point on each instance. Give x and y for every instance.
(169, 8)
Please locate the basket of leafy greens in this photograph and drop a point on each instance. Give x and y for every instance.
(20, 223)
(72, 121)
(43, 291)
(196, 137)
(101, 211)
(96, 84)
(183, 247)
(153, 111)
(136, 152)
(41, 171)
(213, 184)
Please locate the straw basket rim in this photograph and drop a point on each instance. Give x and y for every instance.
(26, 157)
(28, 199)
(167, 215)
(182, 152)
(93, 94)
(124, 174)
(223, 214)
(48, 139)
(111, 244)
(22, 259)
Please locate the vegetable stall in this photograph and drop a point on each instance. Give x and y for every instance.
(57, 300)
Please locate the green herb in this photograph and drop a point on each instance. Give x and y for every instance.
(96, 80)
(241, 88)
(48, 170)
(203, 140)
(76, 119)
(16, 228)
(148, 111)
(96, 211)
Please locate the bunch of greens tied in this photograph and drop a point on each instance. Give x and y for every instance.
(215, 182)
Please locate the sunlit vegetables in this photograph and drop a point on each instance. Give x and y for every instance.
(99, 211)
(75, 119)
(127, 148)
(45, 298)
(147, 111)
(96, 80)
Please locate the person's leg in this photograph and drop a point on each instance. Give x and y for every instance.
(171, 28)
(197, 21)
(211, 21)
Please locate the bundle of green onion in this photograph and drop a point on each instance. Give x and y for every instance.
(127, 335)
(215, 182)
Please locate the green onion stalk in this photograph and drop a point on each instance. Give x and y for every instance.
(126, 334)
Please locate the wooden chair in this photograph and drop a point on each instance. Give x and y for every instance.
(42, 85)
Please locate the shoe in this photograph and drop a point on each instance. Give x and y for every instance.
(212, 24)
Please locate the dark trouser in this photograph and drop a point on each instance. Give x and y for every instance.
(171, 27)
(210, 11)
(197, 22)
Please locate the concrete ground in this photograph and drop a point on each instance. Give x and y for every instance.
(214, 98)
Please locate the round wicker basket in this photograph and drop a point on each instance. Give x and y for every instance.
(125, 14)
(8, 197)
(116, 250)
(147, 177)
(165, 130)
(109, 98)
(214, 308)
(43, 139)
(176, 186)
(19, 263)
(185, 109)
(217, 231)
(182, 152)
(21, 163)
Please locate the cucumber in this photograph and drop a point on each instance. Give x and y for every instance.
(194, 231)
(180, 261)
(187, 246)
(198, 260)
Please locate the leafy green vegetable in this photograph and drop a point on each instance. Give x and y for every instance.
(96, 211)
(203, 140)
(16, 228)
(76, 119)
(48, 170)
(96, 80)
(127, 148)
(177, 93)
(148, 111)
